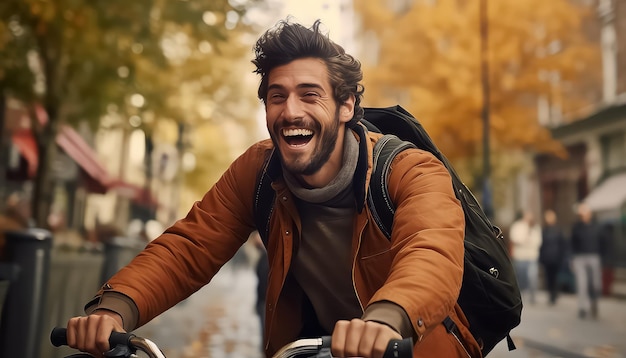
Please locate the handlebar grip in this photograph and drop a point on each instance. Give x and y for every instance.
(58, 337)
(120, 338)
(399, 348)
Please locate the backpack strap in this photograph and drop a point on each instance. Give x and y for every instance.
(265, 195)
(380, 204)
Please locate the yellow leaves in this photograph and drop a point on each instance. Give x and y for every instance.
(374, 12)
(43, 9)
(165, 131)
(430, 62)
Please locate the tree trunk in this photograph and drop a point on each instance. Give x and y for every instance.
(4, 149)
(43, 183)
(46, 135)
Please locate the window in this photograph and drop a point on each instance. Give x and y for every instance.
(614, 152)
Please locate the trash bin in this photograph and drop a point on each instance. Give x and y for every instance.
(4, 288)
(28, 271)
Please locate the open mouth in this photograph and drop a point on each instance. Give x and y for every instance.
(297, 137)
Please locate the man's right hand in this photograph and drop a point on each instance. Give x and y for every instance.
(91, 333)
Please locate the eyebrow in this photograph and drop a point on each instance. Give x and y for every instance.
(299, 86)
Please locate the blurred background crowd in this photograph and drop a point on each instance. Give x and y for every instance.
(115, 116)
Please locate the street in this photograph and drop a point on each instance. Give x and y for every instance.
(220, 321)
(556, 331)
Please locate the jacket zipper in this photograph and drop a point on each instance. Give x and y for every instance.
(358, 248)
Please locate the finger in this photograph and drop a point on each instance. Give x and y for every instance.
(92, 323)
(102, 333)
(353, 338)
(338, 338)
(384, 335)
(70, 334)
(380, 346)
(369, 337)
(80, 333)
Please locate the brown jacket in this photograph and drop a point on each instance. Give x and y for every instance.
(420, 269)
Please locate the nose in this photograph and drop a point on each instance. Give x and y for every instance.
(293, 109)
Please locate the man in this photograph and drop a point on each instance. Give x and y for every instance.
(552, 252)
(586, 261)
(332, 271)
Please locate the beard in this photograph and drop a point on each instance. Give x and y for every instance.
(321, 153)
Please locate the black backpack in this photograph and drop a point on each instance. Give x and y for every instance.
(490, 296)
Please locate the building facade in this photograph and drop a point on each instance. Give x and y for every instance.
(594, 171)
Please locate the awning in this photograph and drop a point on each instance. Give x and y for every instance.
(610, 195)
(96, 177)
(74, 146)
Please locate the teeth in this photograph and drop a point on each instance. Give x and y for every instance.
(297, 132)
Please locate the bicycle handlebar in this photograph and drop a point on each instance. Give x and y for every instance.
(311, 347)
(58, 337)
(320, 348)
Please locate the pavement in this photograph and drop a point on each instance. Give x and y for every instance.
(220, 321)
(556, 331)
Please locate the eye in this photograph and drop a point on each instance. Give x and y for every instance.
(310, 96)
(276, 97)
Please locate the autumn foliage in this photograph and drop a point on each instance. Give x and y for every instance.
(427, 57)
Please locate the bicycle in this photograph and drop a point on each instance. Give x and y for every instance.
(126, 345)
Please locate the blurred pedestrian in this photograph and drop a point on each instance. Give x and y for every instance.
(525, 237)
(552, 252)
(586, 245)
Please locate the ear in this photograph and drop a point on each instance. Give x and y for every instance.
(346, 110)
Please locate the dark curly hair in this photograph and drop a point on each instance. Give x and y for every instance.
(287, 42)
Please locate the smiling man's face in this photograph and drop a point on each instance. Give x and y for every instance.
(304, 121)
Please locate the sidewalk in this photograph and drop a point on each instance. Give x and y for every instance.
(556, 331)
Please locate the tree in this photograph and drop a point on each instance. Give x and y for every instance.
(428, 59)
(81, 59)
(223, 117)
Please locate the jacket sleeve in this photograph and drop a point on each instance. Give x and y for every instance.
(426, 241)
(190, 252)
(392, 315)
